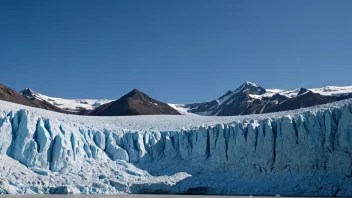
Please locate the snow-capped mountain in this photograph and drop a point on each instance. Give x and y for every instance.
(251, 98)
(304, 152)
(77, 106)
(133, 103)
(10, 95)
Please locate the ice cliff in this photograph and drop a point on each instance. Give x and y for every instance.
(302, 152)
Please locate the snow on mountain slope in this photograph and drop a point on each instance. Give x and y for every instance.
(272, 92)
(73, 105)
(251, 98)
(333, 90)
(300, 152)
(326, 91)
(181, 109)
(238, 102)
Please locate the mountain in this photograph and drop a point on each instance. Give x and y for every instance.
(134, 103)
(251, 98)
(10, 95)
(75, 106)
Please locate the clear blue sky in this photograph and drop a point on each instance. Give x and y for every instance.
(176, 51)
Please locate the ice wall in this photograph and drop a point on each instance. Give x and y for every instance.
(312, 144)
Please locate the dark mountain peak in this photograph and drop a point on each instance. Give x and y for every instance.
(136, 94)
(27, 92)
(302, 91)
(251, 88)
(135, 90)
(134, 102)
(247, 83)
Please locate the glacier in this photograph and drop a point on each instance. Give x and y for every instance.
(305, 152)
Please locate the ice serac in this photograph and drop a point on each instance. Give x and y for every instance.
(306, 152)
(114, 151)
(5, 134)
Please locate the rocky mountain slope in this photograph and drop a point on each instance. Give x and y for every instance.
(305, 152)
(134, 103)
(250, 98)
(11, 95)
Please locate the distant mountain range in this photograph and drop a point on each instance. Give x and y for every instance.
(249, 98)
(133, 103)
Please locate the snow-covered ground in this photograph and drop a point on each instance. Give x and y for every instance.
(300, 152)
(73, 105)
(333, 90)
(182, 109)
(326, 91)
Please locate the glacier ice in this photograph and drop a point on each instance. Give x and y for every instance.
(301, 152)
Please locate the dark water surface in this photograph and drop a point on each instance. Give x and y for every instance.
(130, 196)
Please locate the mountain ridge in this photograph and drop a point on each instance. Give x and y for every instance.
(248, 98)
(251, 98)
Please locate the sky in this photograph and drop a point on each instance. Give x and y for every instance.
(176, 51)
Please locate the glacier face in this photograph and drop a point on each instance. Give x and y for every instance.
(302, 152)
